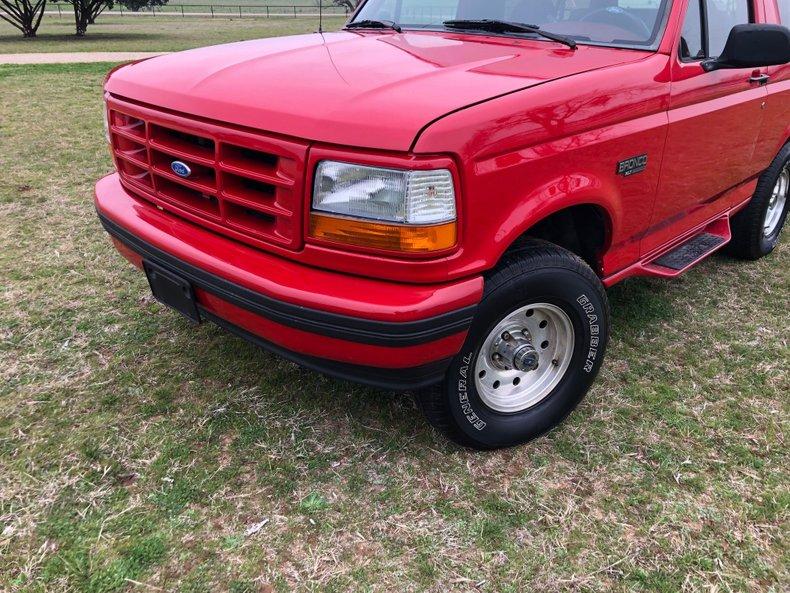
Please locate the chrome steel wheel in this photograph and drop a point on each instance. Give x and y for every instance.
(524, 358)
(776, 205)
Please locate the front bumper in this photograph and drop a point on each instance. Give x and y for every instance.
(384, 334)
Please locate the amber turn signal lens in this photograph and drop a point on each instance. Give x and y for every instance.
(390, 237)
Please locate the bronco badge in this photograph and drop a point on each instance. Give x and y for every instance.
(632, 166)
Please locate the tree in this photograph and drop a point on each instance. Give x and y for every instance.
(25, 15)
(85, 13)
(135, 5)
(350, 5)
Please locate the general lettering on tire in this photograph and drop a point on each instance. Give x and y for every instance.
(463, 395)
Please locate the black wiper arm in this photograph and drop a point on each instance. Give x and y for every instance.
(372, 24)
(496, 26)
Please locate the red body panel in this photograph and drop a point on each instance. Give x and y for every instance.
(566, 139)
(351, 89)
(776, 119)
(528, 128)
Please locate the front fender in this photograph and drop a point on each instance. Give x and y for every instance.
(557, 145)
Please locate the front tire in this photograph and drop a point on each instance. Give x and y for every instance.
(531, 355)
(756, 229)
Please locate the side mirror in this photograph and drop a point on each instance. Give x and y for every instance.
(753, 46)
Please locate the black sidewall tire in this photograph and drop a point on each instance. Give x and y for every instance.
(748, 239)
(588, 311)
(768, 244)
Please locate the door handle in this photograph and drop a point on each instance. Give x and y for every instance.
(761, 79)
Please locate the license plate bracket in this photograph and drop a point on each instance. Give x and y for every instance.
(172, 290)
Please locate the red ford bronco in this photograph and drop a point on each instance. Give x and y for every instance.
(436, 197)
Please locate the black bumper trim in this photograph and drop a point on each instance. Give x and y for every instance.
(333, 325)
(387, 379)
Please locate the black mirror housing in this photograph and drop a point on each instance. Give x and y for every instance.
(753, 46)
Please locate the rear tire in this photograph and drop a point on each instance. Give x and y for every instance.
(757, 228)
(562, 305)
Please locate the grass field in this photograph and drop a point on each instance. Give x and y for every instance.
(116, 33)
(138, 453)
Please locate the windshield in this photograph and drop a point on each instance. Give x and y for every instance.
(621, 23)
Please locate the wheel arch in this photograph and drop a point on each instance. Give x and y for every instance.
(585, 229)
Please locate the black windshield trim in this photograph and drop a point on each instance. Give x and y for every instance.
(652, 45)
(520, 36)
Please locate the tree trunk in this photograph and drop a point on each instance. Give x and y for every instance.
(79, 19)
(23, 15)
(85, 13)
(37, 22)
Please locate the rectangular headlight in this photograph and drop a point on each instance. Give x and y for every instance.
(387, 195)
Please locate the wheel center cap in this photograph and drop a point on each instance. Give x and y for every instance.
(526, 358)
(514, 350)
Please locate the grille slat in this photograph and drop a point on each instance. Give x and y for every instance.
(183, 142)
(245, 185)
(127, 133)
(139, 159)
(273, 179)
(271, 210)
(196, 186)
(182, 155)
(248, 159)
(189, 198)
(135, 174)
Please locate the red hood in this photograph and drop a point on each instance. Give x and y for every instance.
(354, 89)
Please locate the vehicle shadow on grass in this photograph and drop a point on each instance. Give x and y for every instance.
(638, 302)
(384, 419)
(324, 405)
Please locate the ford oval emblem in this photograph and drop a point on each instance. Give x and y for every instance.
(181, 169)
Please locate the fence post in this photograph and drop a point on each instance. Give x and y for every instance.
(182, 10)
(267, 11)
(294, 10)
(212, 11)
(239, 11)
(60, 14)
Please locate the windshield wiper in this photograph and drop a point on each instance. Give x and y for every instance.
(495, 26)
(372, 24)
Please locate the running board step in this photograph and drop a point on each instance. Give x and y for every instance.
(690, 252)
(672, 261)
(680, 258)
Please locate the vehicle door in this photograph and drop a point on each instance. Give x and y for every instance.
(776, 119)
(715, 119)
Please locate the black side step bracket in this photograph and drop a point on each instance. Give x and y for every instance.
(689, 252)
